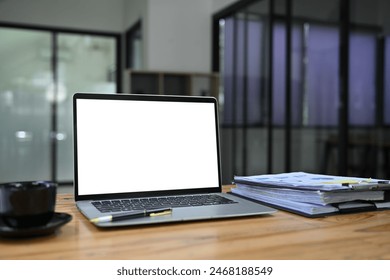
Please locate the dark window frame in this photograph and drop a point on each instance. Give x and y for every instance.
(132, 34)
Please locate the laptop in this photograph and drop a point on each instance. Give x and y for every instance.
(136, 152)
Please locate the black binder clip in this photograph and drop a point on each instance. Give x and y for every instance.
(355, 206)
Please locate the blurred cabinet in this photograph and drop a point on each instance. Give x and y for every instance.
(174, 83)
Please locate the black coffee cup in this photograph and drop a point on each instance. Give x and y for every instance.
(27, 204)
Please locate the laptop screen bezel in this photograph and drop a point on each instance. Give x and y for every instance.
(143, 97)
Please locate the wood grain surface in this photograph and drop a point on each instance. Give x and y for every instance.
(278, 236)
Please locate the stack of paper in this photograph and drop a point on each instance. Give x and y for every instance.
(313, 194)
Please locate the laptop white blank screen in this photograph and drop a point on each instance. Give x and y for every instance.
(138, 146)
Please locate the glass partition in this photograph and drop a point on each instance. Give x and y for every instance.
(25, 107)
(305, 87)
(85, 64)
(369, 134)
(315, 83)
(40, 71)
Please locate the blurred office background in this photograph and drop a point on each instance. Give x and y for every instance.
(303, 85)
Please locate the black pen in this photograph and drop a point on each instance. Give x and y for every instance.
(133, 215)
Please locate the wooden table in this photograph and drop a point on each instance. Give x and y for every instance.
(278, 236)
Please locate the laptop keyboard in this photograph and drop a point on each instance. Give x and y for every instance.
(118, 205)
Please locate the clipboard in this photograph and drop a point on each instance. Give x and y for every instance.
(334, 185)
(378, 185)
(365, 206)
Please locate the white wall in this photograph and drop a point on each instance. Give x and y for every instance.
(179, 35)
(218, 5)
(176, 33)
(95, 15)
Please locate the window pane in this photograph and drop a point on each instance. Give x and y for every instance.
(362, 73)
(317, 68)
(228, 72)
(387, 82)
(322, 75)
(25, 108)
(255, 45)
(237, 50)
(85, 64)
(279, 74)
